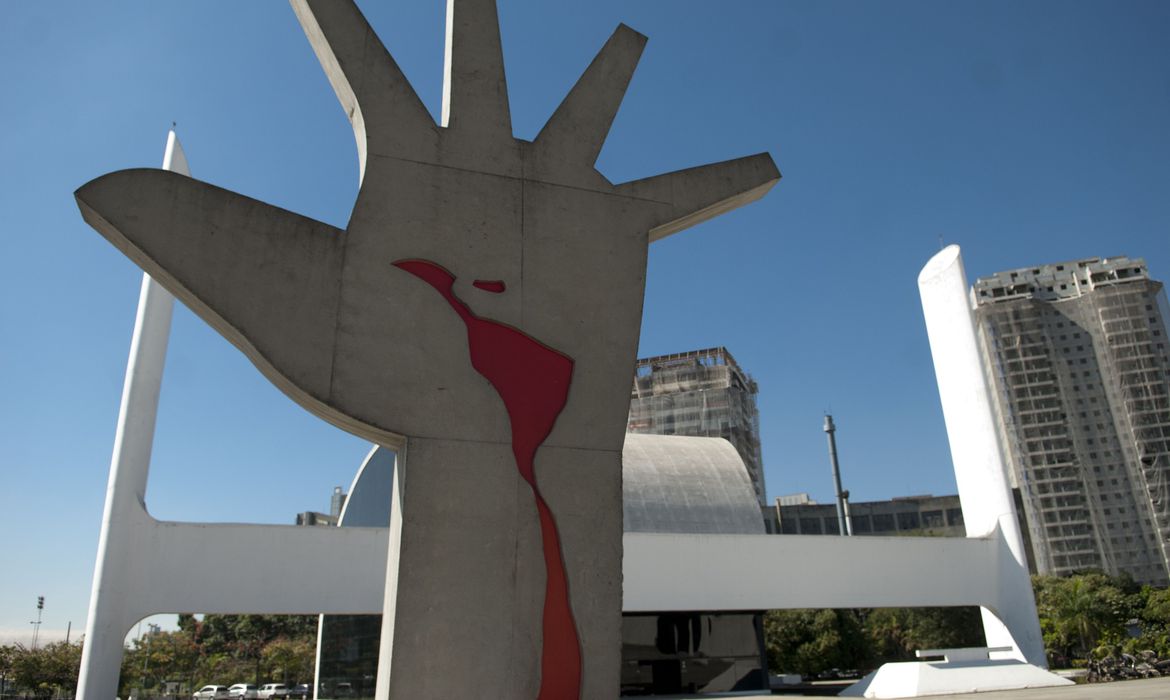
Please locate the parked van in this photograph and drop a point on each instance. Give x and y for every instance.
(272, 690)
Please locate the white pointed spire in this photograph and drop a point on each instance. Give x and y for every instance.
(129, 468)
(174, 159)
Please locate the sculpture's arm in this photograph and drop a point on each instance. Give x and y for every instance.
(266, 278)
(694, 195)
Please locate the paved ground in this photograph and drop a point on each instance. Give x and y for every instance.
(1150, 689)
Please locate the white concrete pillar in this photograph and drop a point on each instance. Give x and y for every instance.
(984, 488)
(110, 617)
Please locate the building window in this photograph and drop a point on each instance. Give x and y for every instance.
(861, 524)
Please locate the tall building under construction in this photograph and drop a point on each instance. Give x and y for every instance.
(1076, 354)
(702, 393)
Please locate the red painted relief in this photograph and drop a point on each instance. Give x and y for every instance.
(533, 381)
(493, 286)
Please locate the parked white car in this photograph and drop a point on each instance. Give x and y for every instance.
(272, 690)
(211, 692)
(243, 691)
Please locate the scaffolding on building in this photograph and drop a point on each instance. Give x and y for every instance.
(1081, 377)
(702, 393)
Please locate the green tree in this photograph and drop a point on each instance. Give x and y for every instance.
(221, 649)
(60, 665)
(7, 658)
(290, 659)
(1079, 613)
(26, 669)
(811, 641)
(895, 634)
(156, 657)
(50, 669)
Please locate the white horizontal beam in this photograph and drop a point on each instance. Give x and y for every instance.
(263, 569)
(234, 568)
(764, 572)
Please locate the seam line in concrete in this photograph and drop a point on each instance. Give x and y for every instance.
(522, 177)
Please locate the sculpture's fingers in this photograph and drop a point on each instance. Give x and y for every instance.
(475, 93)
(266, 278)
(577, 130)
(387, 115)
(694, 195)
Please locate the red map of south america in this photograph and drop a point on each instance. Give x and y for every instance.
(533, 381)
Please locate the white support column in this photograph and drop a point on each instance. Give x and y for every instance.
(108, 621)
(984, 489)
(390, 591)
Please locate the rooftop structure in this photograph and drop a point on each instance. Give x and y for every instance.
(702, 393)
(940, 516)
(311, 517)
(1077, 359)
(795, 499)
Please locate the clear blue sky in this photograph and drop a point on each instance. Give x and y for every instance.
(1026, 132)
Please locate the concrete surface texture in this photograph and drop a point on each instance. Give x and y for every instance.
(984, 490)
(765, 572)
(544, 252)
(913, 679)
(1146, 689)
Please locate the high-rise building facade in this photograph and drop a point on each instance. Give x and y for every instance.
(1078, 361)
(336, 502)
(702, 393)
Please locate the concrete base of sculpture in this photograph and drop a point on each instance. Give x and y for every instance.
(961, 671)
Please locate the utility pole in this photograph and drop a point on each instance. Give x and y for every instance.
(844, 527)
(151, 631)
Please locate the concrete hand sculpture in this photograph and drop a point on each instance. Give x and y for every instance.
(348, 324)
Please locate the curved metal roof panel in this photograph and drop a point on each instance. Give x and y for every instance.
(687, 485)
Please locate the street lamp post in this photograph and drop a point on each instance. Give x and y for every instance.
(37, 622)
(844, 527)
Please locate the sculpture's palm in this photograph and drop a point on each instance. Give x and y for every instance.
(325, 315)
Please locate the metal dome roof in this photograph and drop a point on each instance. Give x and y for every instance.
(669, 484)
(686, 484)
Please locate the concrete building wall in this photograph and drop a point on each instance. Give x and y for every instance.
(939, 516)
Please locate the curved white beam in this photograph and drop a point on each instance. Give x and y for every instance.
(984, 490)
